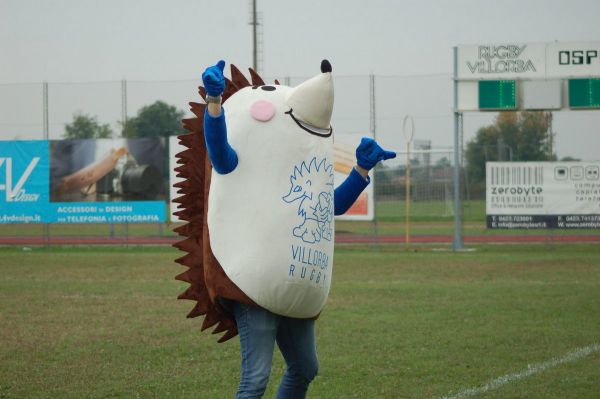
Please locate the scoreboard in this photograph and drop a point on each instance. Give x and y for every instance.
(497, 95)
(528, 76)
(584, 93)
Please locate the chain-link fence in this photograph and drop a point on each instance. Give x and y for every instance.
(363, 104)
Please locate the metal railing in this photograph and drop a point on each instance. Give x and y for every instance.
(367, 103)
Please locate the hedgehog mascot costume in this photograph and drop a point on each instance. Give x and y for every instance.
(259, 201)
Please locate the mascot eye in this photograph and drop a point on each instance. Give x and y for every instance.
(265, 88)
(297, 189)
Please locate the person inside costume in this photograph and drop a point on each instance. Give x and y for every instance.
(270, 216)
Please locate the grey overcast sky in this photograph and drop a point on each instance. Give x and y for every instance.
(156, 40)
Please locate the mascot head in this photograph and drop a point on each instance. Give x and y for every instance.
(286, 112)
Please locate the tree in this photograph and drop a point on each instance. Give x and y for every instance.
(156, 120)
(87, 127)
(513, 136)
(442, 163)
(570, 159)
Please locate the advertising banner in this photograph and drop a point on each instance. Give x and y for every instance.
(344, 160)
(538, 195)
(579, 59)
(24, 176)
(344, 155)
(82, 181)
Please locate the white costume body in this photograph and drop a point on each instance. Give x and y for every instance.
(271, 219)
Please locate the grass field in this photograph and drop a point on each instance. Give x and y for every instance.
(103, 322)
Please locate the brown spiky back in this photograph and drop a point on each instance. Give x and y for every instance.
(204, 274)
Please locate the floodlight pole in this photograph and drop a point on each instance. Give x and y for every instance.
(45, 119)
(457, 243)
(408, 136)
(254, 41)
(373, 128)
(46, 122)
(407, 217)
(123, 103)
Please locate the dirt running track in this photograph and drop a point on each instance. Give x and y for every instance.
(340, 239)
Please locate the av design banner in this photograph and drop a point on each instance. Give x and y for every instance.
(82, 181)
(344, 160)
(538, 195)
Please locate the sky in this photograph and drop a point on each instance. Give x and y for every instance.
(407, 45)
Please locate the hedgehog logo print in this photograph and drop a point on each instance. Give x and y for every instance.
(314, 208)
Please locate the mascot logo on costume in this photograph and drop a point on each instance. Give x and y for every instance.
(315, 208)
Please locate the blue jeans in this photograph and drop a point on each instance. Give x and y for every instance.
(259, 330)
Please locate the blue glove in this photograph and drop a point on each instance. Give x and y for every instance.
(213, 79)
(369, 153)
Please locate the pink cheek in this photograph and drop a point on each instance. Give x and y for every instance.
(262, 110)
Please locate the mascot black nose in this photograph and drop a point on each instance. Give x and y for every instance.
(325, 66)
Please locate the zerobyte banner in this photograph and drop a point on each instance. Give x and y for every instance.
(543, 195)
(82, 181)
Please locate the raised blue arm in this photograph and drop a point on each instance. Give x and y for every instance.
(222, 156)
(347, 192)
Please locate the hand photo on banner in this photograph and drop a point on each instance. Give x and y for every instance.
(107, 170)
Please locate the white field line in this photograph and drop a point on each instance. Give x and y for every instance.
(529, 371)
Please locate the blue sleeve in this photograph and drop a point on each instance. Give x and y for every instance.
(347, 192)
(223, 158)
